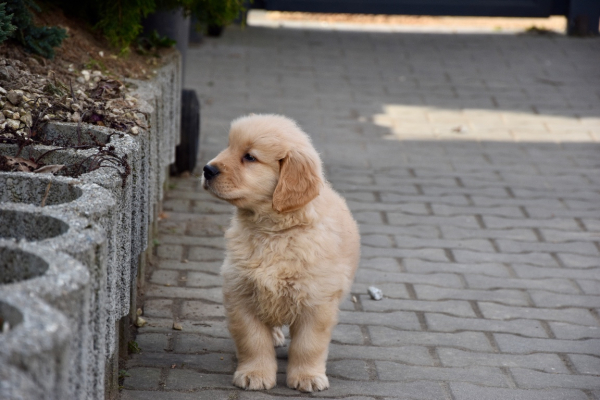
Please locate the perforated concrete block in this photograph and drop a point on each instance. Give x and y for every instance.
(36, 346)
(100, 219)
(63, 283)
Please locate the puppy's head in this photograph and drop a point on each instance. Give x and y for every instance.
(269, 161)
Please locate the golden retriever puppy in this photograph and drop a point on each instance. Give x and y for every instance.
(292, 251)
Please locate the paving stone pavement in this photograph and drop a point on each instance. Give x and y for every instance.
(471, 163)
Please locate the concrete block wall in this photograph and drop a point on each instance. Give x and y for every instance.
(98, 226)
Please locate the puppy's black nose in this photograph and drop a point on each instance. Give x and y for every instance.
(210, 172)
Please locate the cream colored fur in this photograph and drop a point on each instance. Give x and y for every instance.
(292, 251)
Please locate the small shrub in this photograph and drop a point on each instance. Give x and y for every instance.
(121, 20)
(38, 39)
(6, 28)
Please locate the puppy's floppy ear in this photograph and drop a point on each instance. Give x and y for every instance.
(299, 181)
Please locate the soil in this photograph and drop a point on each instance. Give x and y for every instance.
(82, 84)
(82, 49)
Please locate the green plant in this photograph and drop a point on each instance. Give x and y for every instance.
(151, 43)
(6, 28)
(134, 347)
(121, 20)
(208, 12)
(123, 373)
(38, 39)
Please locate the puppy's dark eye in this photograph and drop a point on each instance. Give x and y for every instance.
(248, 157)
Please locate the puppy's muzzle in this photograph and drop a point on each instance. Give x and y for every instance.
(210, 171)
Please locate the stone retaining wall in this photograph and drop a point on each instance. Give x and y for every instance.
(71, 251)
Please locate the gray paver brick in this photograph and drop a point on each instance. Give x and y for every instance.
(142, 378)
(586, 364)
(541, 212)
(530, 271)
(589, 286)
(556, 235)
(183, 379)
(555, 284)
(152, 342)
(510, 297)
(469, 391)
(573, 315)
(197, 395)
(165, 277)
(205, 254)
(445, 323)
(158, 308)
(543, 362)
(386, 264)
(214, 295)
(579, 261)
(549, 299)
(422, 231)
(408, 208)
(449, 199)
(554, 223)
(575, 331)
(212, 362)
(376, 240)
(345, 333)
(475, 341)
(468, 256)
(190, 343)
(180, 205)
(415, 355)
(454, 307)
(484, 375)
(511, 246)
(201, 279)
(529, 379)
(184, 240)
(205, 266)
(453, 232)
(411, 390)
(471, 244)
(424, 267)
(393, 290)
(444, 280)
(491, 201)
(446, 210)
(465, 221)
(200, 310)
(349, 369)
(216, 328)
(492, 192)
(169, 251)
(397, 319)
(515, 344)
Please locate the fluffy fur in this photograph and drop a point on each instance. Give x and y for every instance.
(292, 251)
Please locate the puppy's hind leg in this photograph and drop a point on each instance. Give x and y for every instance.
(257, 365)
(310, 335)
(278, 337)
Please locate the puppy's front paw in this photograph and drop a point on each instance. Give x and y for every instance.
(308, 383)
(254, 380)
(278, 337)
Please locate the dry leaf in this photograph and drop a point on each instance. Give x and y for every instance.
(19, 164)
(48, 169)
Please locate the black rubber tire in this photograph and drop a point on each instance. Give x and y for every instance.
(186, 153)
